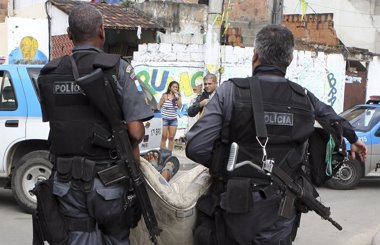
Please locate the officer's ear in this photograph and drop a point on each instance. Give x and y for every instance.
(290, 59)
(255, 59)
(69, 33)
(101, 32)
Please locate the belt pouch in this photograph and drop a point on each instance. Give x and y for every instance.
(88, 175)
(238, 197)
(77, 173)
(207, 204)
(63, 166)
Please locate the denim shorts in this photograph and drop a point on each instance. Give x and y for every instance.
(169, 122)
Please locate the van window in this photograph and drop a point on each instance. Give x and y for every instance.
(7, 94)
(33, 73)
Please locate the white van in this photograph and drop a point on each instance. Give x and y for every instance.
(23, 148)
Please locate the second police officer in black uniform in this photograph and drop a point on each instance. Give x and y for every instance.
(289, 118)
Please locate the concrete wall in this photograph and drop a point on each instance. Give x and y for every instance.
(59, 21)
(30, 9)
(4, 43)
(184, 23)
(17, 29)
(373, 84)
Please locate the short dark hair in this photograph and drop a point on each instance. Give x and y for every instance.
(84, 21)
(274, 44)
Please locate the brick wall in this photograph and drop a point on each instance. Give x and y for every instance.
(233, 37)
(60, 45)
(3, 10)
(246, 17)
(313, 28)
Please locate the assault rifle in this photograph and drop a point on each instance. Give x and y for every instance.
(293, 190)
(101, 93)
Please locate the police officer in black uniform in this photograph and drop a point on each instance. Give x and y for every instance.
(244, 200)
(80, 135)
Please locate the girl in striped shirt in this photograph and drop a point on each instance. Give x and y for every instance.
(169, 103)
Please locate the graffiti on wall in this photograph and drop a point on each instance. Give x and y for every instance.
(27, 52)
(157, 79)
(323, 75)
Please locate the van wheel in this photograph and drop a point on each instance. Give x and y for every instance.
(30, 169)
(348, 175)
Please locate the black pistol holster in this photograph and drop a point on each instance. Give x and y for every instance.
(210, 227)
(48, 223)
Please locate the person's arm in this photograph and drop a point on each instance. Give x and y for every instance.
(179, 101)
(136, 132)
(162, 100)
(207, 130)
(324, 110)
(194, 109)
(135, 109)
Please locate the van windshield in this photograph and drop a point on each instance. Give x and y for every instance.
(362, 118)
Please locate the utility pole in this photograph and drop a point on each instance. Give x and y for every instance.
(212, 44)
(277, 11)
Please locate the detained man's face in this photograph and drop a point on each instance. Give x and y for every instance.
(209, 85)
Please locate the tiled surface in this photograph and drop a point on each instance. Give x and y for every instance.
(116, 16)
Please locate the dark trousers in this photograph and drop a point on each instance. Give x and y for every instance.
(104, 204)
(261, 225)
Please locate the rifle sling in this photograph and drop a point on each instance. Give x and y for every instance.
(257, 107)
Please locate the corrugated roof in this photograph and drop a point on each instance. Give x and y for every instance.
(116, 16)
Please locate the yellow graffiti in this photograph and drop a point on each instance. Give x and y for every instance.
(304, 6)
(185, 84)
(212, 68)
(29, 47)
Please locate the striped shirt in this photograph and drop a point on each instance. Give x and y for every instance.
(168, 110)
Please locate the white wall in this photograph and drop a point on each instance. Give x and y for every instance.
(4, 43)
(353, 20)
(30, 9)
(59, 21)
(373, 83)
(322, 74)
(17, 28)
(158, 64)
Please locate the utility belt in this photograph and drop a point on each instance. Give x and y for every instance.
(237, 194)
(233, 195)
(81, 171)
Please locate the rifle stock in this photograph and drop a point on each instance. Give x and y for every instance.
(101, 94)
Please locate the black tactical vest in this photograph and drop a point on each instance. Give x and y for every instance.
(75, 125)
(289, 118)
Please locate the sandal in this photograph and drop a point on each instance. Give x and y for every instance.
(172, 165)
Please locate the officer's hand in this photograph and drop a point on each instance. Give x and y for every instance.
(359, 148)
(204, 102)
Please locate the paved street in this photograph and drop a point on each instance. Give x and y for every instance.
(356, 210)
